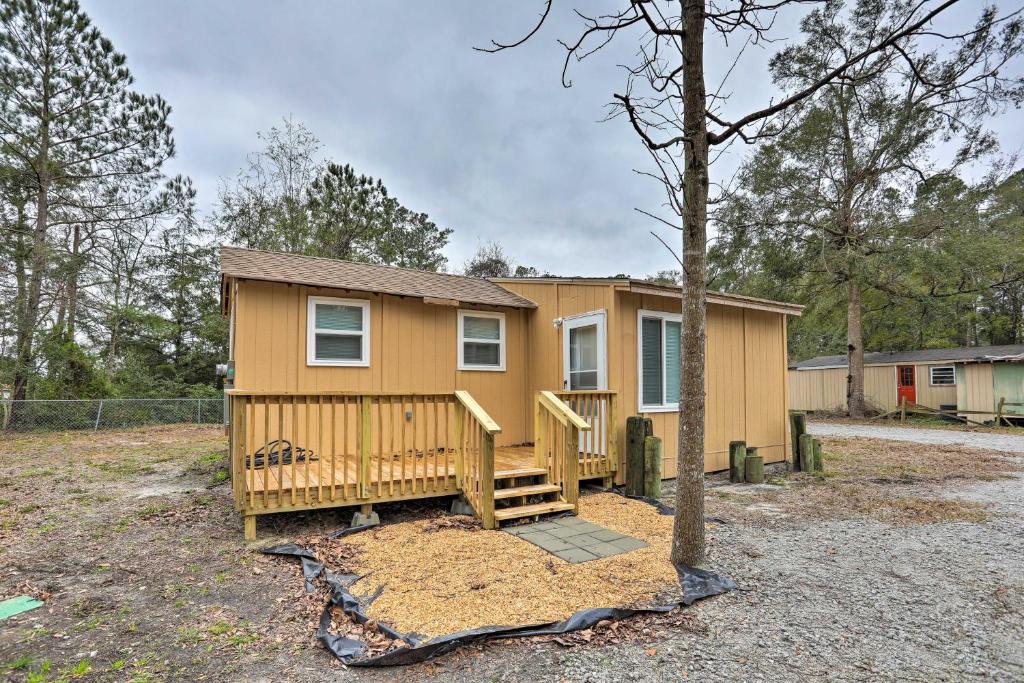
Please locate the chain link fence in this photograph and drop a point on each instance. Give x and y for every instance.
(108, 413)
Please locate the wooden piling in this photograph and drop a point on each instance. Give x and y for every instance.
(817, 455)
(753, 467)
(806, 453)
(652, 467)
(737, 454)
(797, 428)
(637, 429)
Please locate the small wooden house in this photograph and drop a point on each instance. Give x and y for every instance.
(979, 380)
(354, 383)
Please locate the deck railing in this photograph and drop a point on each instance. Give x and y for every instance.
(598, 447)
(304, 450)
(474, 440)
(556, 443)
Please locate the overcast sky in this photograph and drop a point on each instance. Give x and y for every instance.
(490, 145)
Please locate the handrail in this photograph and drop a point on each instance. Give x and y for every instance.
(599, 447)
(562, 412)
(481, 416)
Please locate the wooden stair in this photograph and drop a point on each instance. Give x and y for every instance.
(525, 492)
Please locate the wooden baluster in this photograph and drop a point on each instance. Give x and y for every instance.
(364, 446)
(334, 447)
(266, 446)
(380, 446)
(404, 425)
(250, 441)
(391, 446)
(460, 452)
(307, 443)
(436, 440)
(447, 443)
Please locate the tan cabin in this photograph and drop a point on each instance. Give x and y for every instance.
(353, 384)
(984, 382)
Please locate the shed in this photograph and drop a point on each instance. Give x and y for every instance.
(963, 377)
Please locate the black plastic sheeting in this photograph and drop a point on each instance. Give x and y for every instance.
(695, 584)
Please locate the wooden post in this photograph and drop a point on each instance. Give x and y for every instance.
(637, 429)
(571, 485)
(807, 453)
(798, 427)
(365, 441)
(999, 410)
(250, 527)
(753, 467)
(540, 435)
(652, 467)
(612, 434)
(903, 408)
(487, 481)
(817, 455)
(737, 454)
(460, 455)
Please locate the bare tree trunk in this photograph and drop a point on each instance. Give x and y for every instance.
(854, 352)
(688, 530)
(71, 286)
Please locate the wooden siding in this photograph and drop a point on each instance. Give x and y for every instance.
(1008, 383)
(825, 389)
(974, 390)
(745, 365)
(413, 350)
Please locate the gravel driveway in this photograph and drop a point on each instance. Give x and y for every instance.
(988, 441)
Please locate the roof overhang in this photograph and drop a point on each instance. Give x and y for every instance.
(720, 298)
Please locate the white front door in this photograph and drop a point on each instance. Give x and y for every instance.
(585, 352)
(585, 363)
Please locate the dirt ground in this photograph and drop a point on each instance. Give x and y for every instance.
(903, 561)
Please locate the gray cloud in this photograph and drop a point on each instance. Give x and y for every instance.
(490, 145)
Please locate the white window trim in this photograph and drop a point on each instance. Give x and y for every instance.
(311, 332)
(462, 341)
(664, 316)
(931, 377)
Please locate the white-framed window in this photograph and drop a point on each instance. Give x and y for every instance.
(337, 331)
(942, 375)
(658, 338)
(481, 341)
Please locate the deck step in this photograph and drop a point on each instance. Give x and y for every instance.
(521, 472)
(534, 490)
(531, 510)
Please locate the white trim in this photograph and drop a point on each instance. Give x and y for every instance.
(598, 318)
(462, 340)
(931, 375)
(664, 316)
(311, 332)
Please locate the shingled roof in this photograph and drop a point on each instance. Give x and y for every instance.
(251, 264)
(961, 354)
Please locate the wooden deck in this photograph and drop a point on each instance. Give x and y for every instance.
(396, 475)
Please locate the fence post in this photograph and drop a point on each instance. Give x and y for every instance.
(199, 411)
(99, 413)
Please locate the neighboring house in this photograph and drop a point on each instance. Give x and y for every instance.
(391, 384)
(967, 379)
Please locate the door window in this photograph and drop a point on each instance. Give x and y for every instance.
(907, 376)
(583, 357)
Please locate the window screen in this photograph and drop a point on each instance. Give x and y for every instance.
(944, 375)
(481, 341)
(337, 331)
(651, 360)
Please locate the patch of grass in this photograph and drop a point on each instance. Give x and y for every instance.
(219, 477)
(189, 635)
(121, 469)
(46, 528)
(4, 502)
(87, 625)
(78, 670)
(22, 662)
(152, 510)
(220, 628)
(118, 664)
(41, 674)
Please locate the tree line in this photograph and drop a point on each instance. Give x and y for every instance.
(108, 270)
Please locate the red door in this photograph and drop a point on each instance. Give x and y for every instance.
(905, 388)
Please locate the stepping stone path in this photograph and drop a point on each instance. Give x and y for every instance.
(575, 540)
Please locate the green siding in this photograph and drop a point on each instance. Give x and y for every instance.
(1008, 383)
